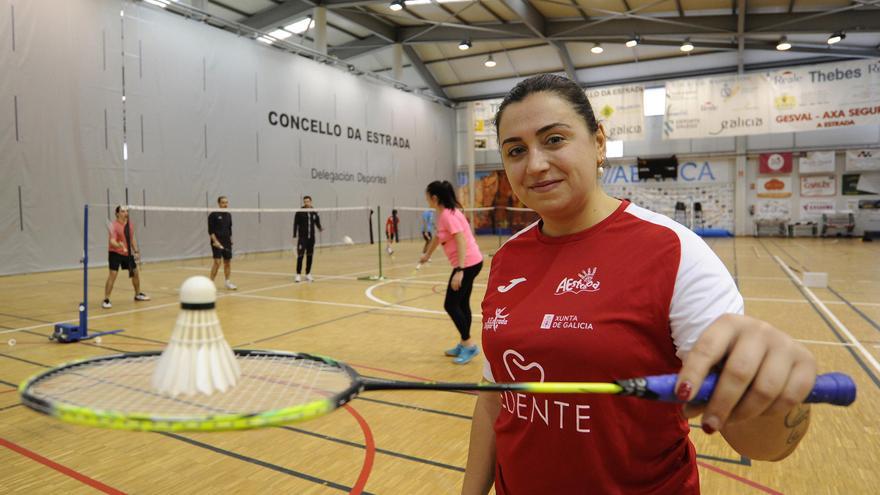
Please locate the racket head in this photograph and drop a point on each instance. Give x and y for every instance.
(116, 392)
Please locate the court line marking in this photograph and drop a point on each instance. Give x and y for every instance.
(167, 305)
(404, 309)
(801, 301)
(819, 304)
(369, 293)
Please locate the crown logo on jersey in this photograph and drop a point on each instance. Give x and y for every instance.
(583, 283)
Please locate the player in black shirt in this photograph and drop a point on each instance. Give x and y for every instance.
(304, 223)
(220, 230)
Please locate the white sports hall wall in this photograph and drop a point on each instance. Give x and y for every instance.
(204, 114)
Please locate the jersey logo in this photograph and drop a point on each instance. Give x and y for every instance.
(493, 322)
(552, 321)
(516, 359)
(513, 283)
(584, 283)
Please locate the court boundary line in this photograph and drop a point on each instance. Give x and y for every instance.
(833, 319)
(166, 305)
(45, 461)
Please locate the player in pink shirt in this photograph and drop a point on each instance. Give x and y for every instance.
(454, 234)
(122, 253)
(601, 289)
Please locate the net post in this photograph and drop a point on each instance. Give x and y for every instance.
(379, 237)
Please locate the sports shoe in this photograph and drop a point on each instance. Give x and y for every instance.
(140, 296)
(309, 277)
(389, 250)
(467, 353)
(297, 278)
(230, 285)
(455, 351)
(106, 304)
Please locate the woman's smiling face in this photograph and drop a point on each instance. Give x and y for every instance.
(550, 155)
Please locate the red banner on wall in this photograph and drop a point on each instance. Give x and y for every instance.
(775, 163)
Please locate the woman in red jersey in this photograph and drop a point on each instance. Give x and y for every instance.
(601, 289)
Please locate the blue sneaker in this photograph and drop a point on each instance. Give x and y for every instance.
(466, 354)
(455, 351)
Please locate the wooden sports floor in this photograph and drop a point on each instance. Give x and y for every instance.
(401, 442)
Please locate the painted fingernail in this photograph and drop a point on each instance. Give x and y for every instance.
(684, 391)
(710, 425)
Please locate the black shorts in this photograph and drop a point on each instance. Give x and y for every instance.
(225, 252)
(118, 261)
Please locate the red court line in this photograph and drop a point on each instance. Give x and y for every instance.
(739, 478)
(61, 469)
(369, 452)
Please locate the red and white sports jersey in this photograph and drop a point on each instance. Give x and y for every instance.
(627, 297)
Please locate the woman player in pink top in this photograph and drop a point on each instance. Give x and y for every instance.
(454, 233)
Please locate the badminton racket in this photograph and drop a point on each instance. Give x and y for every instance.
(279, 387)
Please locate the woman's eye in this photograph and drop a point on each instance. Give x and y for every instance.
(555, 139)
(515, 151)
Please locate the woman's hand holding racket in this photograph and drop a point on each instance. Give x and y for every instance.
(761, 372)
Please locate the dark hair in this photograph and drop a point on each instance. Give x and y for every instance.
(307, 197)
(561, 86)
(394, 213)
(119, 207)
(220, 198)
(445, 194)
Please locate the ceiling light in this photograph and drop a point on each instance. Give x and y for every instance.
(280, 34)
(396, 5)
(157, 3)
(686, 46)
(632, 41)
(300, 26)
(266, 39)
(464, 45)
(836, 37)
(783, 44)
(490, 62)
(597, 48)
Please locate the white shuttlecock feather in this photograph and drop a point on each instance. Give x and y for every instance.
(197, 359)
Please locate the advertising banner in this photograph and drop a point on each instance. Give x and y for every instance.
(852, 184)
(818, 185)
(621, 110)
(796, 99)
(775, 163)
(715, 106)
(814, 208)
(774, 187)
(814, 162)
(858, 160)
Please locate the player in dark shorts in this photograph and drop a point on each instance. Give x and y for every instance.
(122, 253)
(304, 224)
(220, 230)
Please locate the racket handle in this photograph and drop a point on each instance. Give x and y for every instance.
(830, 388)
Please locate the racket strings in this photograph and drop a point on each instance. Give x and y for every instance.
(268, 382)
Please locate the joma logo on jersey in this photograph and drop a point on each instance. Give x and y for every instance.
(493, 322)
(584, 283)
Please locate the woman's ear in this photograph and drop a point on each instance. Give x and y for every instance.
(601, 139)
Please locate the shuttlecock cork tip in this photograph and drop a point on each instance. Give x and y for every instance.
(198, 290)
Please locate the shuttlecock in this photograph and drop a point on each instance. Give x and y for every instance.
(197, 359)
(347, 240)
